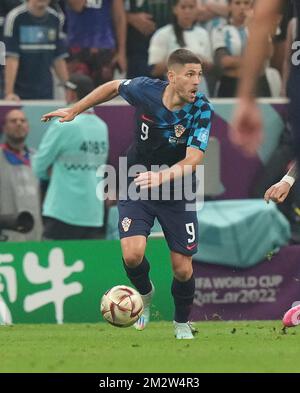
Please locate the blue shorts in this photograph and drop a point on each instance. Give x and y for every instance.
(180, 227)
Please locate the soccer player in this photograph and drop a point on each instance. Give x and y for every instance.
(278, 193)
(247, 123)
(172, 128)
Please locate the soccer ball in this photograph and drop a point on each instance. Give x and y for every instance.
(121, 306)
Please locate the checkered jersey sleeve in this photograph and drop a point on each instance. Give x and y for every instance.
(199, 134)
(133, 90)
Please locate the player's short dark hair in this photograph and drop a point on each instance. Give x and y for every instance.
(182, 57)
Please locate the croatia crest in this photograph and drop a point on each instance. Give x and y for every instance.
(179, 130)
(126, 224)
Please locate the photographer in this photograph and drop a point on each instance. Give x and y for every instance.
(19, 188)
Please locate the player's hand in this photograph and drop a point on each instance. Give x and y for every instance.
(148, 180)
(66, 114)
(246, 130)
(278, 192)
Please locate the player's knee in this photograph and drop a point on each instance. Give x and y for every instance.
(183, 273)
(133, 251)
(133, 255)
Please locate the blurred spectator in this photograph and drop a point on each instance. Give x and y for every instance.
(96, 32)
(19, 188)
(143, 17)
(5, 7)
(229, 43)
(34, 43)
(69, 155)
(212, 13)
(182, 33)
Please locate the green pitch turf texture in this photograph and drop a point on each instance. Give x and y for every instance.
(219, 347)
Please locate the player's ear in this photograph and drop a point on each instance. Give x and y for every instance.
(171, 76)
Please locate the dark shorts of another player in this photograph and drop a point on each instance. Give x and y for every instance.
(179, 226)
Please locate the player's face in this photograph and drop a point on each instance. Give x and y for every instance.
(186, 13)
(16, 126)
(185, 80)
(239, 10)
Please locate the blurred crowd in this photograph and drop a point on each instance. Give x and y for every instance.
(47, 40)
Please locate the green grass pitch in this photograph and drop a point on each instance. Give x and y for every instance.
(260, 346)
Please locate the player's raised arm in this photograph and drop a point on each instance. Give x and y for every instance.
(101, 94)
(265, 17)
(247, 122)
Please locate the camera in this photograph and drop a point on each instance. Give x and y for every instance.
(21, 222)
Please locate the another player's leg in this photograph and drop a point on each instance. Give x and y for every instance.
(137, 268)
(183, 291)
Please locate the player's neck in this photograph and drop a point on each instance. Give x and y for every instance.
(171, 100)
